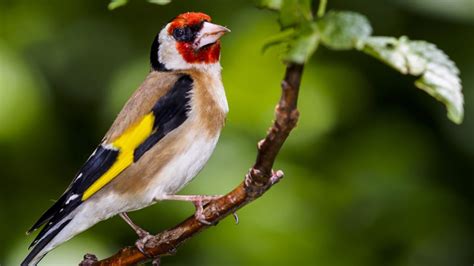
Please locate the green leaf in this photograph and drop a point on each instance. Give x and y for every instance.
(269, 4)
(284, 36)
(116, 3)
(439, 76)
(294, 12)
(303, 45)
(159, 2)
(343, 29)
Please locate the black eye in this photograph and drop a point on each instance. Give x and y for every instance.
(178, 33)
(185, 34)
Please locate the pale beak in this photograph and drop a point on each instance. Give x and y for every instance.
(208, 34)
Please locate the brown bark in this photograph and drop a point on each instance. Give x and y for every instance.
(257, 181)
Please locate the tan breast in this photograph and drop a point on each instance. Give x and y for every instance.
(209, 114)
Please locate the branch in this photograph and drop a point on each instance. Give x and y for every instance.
(257, 181)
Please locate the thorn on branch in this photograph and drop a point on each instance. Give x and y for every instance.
(236, 217)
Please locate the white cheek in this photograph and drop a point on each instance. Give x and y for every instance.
(168, 54)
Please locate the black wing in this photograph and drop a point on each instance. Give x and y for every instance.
(97, 164)
(170, 112)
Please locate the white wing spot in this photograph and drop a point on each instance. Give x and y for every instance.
(110, 146)
(72, 197)
(78, 176)
(92, 155)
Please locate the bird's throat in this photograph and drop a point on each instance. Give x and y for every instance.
(208, 54)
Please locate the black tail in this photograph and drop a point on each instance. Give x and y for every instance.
(41, 241)
(47, 215)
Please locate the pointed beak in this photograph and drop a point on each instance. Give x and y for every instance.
(208, 34)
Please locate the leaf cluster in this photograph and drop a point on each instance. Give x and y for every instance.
(302, 32)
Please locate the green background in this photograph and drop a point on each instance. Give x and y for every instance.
(375, 172)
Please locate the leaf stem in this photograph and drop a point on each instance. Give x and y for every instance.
(322, 8)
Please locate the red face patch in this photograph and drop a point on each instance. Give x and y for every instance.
(208, 54)
(188, 19)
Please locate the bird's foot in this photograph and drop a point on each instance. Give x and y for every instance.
(145, 239)
(275, 178)
(143, 236)
(199, 213)
(199, 202)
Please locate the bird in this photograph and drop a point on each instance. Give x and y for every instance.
(159, 141)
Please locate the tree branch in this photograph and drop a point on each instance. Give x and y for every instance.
(257, 181)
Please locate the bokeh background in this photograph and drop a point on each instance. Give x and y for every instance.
(375, 172)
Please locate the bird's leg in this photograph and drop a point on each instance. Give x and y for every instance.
(198, 200)
(143, 235)
(140, 231)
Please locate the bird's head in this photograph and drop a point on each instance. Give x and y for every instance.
(189, 41)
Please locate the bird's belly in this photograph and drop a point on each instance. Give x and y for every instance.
(183, 167)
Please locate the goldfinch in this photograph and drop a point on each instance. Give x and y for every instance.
(160, 140)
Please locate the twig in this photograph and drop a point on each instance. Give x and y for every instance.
(257, 181)
(322, 8)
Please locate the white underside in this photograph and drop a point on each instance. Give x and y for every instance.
(184, 168)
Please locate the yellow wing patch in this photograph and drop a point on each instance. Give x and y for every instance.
(126, 143)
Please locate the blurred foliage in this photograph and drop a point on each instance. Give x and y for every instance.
(118, 3)
(374, 173)
(19, 87)
(462, 10)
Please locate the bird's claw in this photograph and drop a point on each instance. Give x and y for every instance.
(199, 214)
(276, 176)
(141, 243)
(199, 204)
